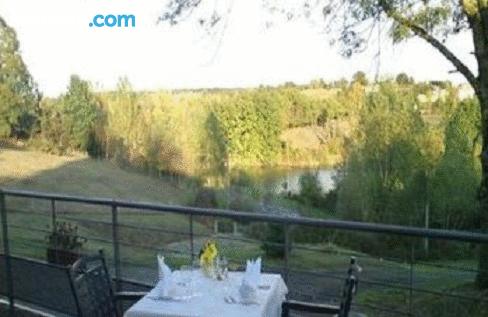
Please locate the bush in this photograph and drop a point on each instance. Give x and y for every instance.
(206, 198)
(274, 239)
(311, 191)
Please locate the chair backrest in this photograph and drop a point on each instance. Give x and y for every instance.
(350, 288)
(343, 310)
(92, 287)
(45, 285)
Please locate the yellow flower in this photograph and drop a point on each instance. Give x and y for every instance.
(208, 254)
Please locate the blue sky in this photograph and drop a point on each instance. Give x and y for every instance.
(56, 41)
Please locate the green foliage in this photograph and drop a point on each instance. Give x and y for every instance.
(53, 134)
(64, 236)
(360, 78)
(203, 134)
(317, 84)
(403, 155)
(404, 162)
(19, 96)
(457, 176)
(80, 113)
(310, 191)
(436, 18)
(274, 240)
(300, 110)
(385, 158)
(404, 79)
(68, 123)
(250, 125)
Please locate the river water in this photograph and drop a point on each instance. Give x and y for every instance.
(288, 180)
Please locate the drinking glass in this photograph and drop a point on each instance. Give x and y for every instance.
(185, 278)
(225, 266)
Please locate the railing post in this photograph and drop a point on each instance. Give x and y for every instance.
(53, 213)
(6, 251)
(287, 246)
(115, 244)
(191, 240)
(412, 259)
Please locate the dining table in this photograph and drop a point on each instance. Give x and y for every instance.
(197, 295)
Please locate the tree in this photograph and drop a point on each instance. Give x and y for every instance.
(317, 84)
(458, 172)
(404, 79)
(53, 135)
(310, 190)
(250, 125)
(68, 122)
(297, 108)
(19, 97)
(381, 170)
(360, 78)
(80, 109)
(432, 21)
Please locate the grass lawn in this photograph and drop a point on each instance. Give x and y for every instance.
(30, 220)
(83, 176)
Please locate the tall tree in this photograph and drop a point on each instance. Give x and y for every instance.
(19, 97)
(432, 21)
(80, 110)
(360, 78)
(404, 79)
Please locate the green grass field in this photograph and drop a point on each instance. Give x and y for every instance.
(81, 175)
(30, 220)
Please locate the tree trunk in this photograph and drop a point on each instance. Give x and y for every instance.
(480, 36)
(483, 193)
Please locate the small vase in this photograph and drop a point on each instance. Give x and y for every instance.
(62, 257)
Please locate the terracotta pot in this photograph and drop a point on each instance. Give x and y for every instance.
(62, 257)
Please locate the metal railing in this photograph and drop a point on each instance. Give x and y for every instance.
(192, 213)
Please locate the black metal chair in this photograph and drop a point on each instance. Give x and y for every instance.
(39, 285)
(290, 307)
(92, 287)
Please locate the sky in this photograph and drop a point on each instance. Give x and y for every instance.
(56, 41)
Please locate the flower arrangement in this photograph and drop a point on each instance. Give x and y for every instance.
(207, 256)
(64, 236)
(64, 244)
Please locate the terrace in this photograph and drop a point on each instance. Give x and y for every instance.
(395, 282)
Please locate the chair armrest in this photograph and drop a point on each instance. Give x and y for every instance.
(310, 307)
(119, 296)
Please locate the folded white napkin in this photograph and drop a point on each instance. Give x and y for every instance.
(250, 281)
(165, 283)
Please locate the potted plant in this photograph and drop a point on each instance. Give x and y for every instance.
(64, 244)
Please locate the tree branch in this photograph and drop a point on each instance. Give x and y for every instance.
(422, 33)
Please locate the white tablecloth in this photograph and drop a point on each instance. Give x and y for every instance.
(209, 299)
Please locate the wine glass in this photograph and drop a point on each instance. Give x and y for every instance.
(221, 268)
(224, 264)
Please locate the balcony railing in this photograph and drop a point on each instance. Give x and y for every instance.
(310, 253)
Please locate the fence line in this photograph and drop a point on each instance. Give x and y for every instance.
(191, 212)
(454, 235)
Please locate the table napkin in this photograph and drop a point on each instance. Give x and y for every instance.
(165, 283)
(250, 281)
